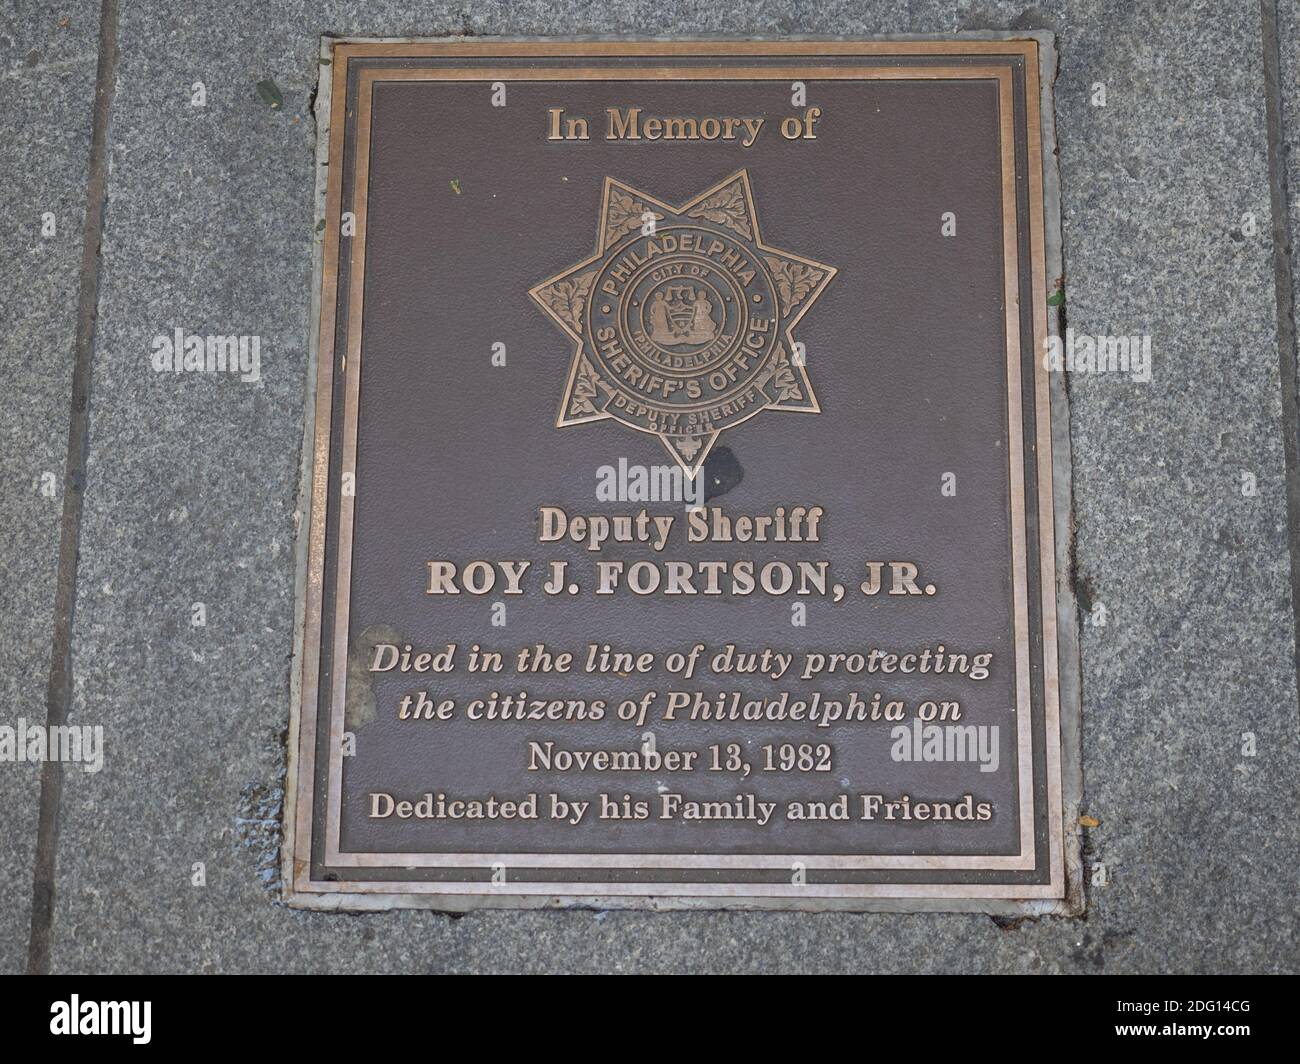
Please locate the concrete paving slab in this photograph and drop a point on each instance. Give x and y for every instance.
(1288, 32)
(192, 491)
(47, 77)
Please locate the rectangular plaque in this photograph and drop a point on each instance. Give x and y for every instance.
(687, 517)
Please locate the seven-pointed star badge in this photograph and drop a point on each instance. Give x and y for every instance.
(683, 318)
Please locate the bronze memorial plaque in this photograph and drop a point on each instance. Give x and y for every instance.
(686, 486)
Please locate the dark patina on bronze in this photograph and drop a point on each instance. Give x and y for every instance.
(544, 263)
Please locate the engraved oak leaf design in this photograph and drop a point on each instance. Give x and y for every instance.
(569, 298)
(584, 390)
(726, 207)
(689, 447)
(784, 379)
(794, 280)
(625, 214)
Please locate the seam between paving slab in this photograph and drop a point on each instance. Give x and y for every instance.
(1284, 283)
(59, 691)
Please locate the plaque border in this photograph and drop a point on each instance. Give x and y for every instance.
(1063, 891)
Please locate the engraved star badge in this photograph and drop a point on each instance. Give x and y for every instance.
(683, 319)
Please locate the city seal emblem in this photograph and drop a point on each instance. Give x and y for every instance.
(683, 319)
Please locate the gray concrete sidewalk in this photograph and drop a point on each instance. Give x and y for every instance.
(189, 492)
